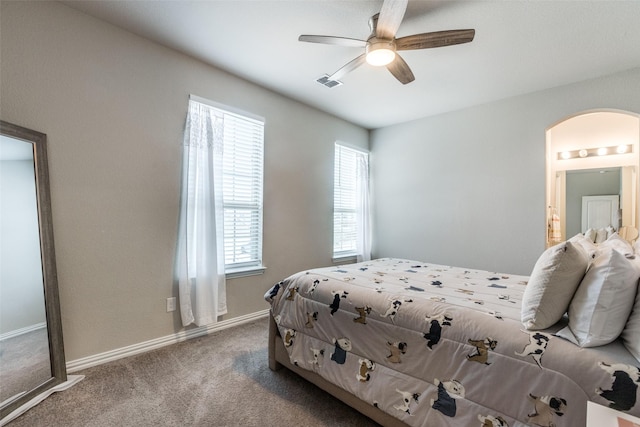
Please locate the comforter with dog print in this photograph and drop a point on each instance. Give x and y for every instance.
(437, 345)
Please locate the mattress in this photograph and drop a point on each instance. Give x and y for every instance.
(435, 345)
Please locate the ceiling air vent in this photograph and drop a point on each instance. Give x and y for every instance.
(324, 80)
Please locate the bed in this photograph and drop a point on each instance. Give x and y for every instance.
(420, 344)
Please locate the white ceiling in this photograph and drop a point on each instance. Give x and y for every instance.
(519, 47)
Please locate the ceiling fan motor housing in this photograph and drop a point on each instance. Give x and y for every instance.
(375, 43)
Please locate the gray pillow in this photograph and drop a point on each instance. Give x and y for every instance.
(553, 281)
(631, 332)
(601, 306)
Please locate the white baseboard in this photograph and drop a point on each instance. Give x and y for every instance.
(143, 347)
(25, 330)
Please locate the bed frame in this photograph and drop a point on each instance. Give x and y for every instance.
(278, 358)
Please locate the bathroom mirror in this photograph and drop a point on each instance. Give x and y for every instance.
(31, 346)
(592, 154)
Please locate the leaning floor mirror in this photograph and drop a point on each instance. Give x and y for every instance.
(31, 348)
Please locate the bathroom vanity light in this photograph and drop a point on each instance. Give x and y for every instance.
(621, 149)
(590, 152)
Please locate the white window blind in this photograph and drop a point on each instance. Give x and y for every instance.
(242, 190)
(242, 178)
(344, 202)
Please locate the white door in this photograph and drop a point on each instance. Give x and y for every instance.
(599, 211)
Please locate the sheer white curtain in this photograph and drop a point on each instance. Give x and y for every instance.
(200, 252)
(363, 226)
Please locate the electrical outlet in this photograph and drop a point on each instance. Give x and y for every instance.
(171, 304)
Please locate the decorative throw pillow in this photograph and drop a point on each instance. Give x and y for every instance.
(601, 235)
(591, 234)
(602, 304)
(618, 243)
(553, 281)
(631, 332)
(589, 247)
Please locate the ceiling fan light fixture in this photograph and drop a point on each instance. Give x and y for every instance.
(381, 46)
(380, 53)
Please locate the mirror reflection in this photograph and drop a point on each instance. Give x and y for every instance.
(593, 199)
(592, 174)
(24, 344)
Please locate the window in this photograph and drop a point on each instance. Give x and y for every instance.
(242, 182)
(346, 212)
(242, 191)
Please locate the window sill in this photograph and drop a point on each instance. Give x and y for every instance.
(245, 271)
(345, 259)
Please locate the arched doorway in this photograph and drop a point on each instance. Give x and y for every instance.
(594, 153)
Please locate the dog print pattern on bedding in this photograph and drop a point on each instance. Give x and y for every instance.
(435, 345)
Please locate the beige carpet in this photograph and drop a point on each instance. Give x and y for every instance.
(219, 380)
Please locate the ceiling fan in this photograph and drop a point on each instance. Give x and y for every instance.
(381, 48)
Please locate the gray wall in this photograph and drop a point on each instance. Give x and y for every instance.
(468, 187)
(113, 106)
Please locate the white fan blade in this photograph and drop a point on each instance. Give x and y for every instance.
(390, 18)
(350, 66)
(340, 41)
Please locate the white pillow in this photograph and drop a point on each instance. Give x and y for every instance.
(553, 282)
(602, 304)
(618, 243)
(631, 332)
(589, 247)
(591, 234)
(601, 235)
